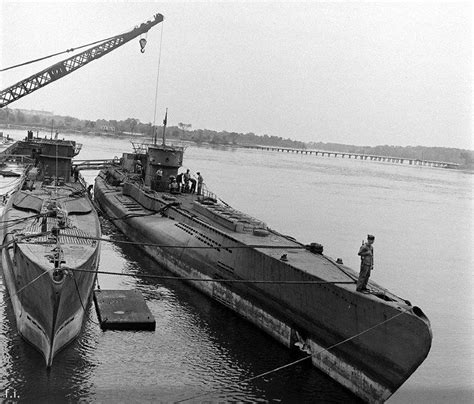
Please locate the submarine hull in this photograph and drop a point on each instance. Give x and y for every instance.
(368, 343)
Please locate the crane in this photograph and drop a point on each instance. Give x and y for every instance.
(67, 66)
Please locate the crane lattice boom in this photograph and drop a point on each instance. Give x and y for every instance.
(71, 64)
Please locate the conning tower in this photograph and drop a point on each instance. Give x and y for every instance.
(167, 158)
(151, 158)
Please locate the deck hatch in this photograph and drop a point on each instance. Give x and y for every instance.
(25, 201)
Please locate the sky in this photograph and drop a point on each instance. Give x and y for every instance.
(363, 73)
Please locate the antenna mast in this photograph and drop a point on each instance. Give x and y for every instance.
(165, 121)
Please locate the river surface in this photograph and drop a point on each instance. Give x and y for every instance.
(423, 222)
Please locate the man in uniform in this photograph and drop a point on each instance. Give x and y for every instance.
(187, 178)
(366, 253)
(138, 167)
(75, 173)
(158, 179)
(173, 187)
(200, 181)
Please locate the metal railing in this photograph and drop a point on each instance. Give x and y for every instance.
(17, 159)
(206, 193)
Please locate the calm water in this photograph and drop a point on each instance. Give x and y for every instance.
(422, 219)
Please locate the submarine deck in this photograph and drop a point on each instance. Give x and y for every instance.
(319, 266)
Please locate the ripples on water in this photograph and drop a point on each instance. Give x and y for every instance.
(200, 346)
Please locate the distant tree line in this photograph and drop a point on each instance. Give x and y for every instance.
(47, 121)
(232, 138)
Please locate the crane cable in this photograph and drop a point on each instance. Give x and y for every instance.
(157, 82)
(56, 54)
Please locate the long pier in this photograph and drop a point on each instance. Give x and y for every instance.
(360, 156)
(96, 164)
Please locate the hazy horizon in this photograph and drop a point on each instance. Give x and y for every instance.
(337, 72)
(160, 125)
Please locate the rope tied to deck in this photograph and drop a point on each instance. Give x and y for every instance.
(18, 237)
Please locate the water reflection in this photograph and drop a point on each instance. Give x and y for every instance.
(24, 367)
(423, 222)
(200, 346)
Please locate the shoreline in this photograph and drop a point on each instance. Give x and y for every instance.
(141, 137)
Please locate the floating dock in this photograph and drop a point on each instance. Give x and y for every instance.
(123, 310)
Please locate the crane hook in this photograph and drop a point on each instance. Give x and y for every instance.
(142, 45)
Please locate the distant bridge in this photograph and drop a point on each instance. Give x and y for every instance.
(360, 156)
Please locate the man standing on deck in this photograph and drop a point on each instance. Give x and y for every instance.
(200, 181)
(32, 176)
(158, 179)
(75, 172)
(187, 178)
(138, 167)
(366, 253)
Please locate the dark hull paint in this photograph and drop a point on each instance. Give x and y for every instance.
(49, 314)
(372, 365)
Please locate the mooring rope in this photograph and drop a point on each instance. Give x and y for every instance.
(20, 237)
(179, 278)
(80, 299)
(235, 246)
(20, 219)
(164, 277)
(221, 389)
(10, 295)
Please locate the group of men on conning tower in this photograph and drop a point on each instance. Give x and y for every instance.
(183, 183)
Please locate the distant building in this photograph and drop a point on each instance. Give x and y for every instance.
(107, 128)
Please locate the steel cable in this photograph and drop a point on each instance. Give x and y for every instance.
(219, 390)
(55, 54)
(219, 280)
